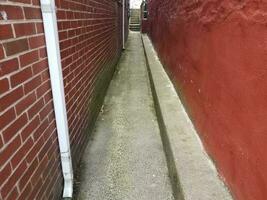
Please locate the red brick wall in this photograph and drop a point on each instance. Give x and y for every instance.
(90, 46)
(215, 51)
(90, 43)
(29, 161)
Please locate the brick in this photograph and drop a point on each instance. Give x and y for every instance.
(23, 1)
(25, 193)
(16, 47)
(46, 110)
(45, 75)
(45, 148)
(9, 150)
(64, 54)
(25, 103)
(58, 3)
(53, 162)
(9, 66)
(32, 13)
(9, 185)
(13, 128)
(36, 2)
(28, 173)
(40, 66)
(54, 186)
(42, 53)
(51, 119)
(46, 174)
(24, 29)
(28, 130)
(2, 54)
(13, 12)
(65, 44)
(7, 117)
(6, 31)
(29, 58)
(39, 131)
(4, 173)
(4, 85)
(48, 96)
(13, 194)
(37, 41)
(1, 143)
(61, 14)
(37, 174)
(43, 89)
(32, 84)
(36, 189)
(71, 33)
(21, 153)
(66, 25)
(39, 27)
(70, 14)
(21, 77)
(36, 108)
(10, 98)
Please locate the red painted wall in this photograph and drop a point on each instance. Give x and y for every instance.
(216, 53)
(90, 44)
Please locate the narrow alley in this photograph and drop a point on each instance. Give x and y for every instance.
(125, 157)
(133, 100)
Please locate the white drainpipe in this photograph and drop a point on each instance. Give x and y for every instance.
(123, 24)
(55, 70)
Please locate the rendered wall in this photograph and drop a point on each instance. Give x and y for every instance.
(90, 44)
(216, 53)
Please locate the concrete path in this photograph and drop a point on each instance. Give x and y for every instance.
(125, 159)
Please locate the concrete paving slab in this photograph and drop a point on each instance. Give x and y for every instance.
(125, 158)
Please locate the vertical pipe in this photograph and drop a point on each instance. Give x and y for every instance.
(56, 77)
(123, 24)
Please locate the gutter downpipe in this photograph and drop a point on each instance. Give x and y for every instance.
(123, 24)
(55, 69)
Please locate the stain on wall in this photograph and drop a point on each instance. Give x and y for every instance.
(216, 53)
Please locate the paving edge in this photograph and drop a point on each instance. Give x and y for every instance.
(192, 173)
